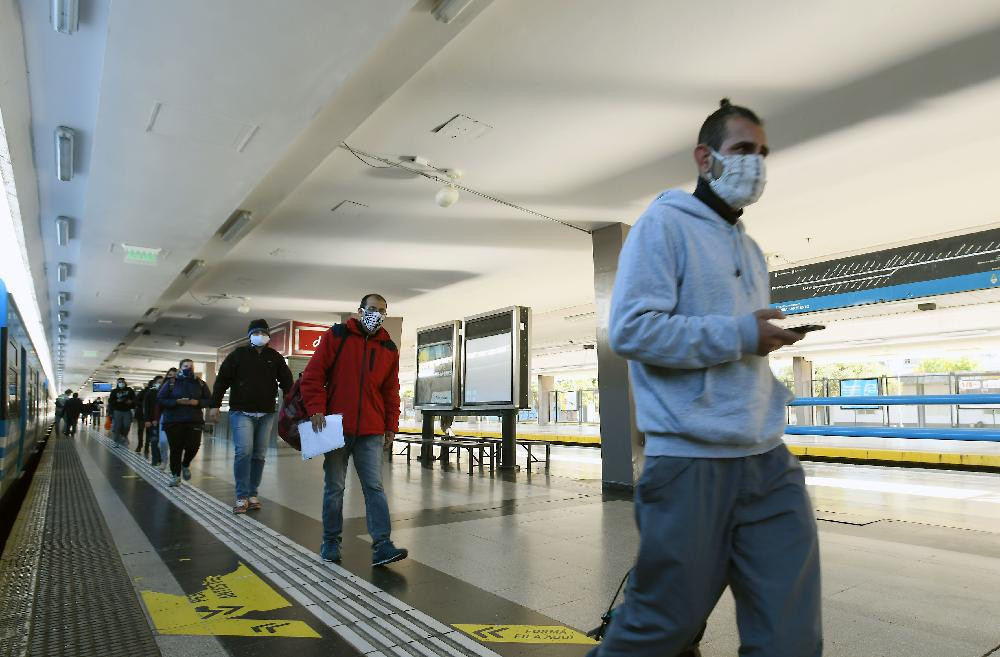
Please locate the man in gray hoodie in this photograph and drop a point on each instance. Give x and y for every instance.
(721, 501)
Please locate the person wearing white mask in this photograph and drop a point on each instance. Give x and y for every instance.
(721, 501)
(252, 373)
(121, 403)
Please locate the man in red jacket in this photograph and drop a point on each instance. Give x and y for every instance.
(355, 373)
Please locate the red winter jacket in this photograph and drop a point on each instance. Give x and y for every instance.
(365, 386)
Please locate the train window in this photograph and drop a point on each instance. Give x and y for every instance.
(12, 409)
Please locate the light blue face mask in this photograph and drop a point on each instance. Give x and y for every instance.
(259, 339)
(742, 180)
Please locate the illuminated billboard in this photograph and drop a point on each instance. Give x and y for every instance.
(495, 359)
(438, 366)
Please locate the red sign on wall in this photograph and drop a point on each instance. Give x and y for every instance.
(306, 338)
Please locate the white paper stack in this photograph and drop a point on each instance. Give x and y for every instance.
(329, 438)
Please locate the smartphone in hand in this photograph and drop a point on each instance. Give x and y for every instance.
(807, 328)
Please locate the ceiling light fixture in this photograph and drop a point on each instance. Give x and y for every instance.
(65, 16)
(139, 328)
(236, 225)
(447, 196)
(62, 272)
(63, 328)
(448, 10)
(64, 153)
(63, 298)
(62, 315)
(244, 307)
(194, 269)
(62, 231)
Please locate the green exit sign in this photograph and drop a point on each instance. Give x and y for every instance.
(140, 255)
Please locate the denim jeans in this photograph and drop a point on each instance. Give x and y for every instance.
(164, 445)
(121, 422)
(367, 452)
(250, 437)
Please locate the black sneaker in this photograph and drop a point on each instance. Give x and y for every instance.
(388, 553)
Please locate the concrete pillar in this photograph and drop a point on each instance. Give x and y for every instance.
(210, 374)
(621, 442)
(802, 374)
(546, 384)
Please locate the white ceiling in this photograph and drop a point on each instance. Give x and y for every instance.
(880, 137)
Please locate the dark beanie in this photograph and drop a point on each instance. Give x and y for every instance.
(258, 324)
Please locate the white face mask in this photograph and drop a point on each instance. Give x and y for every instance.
(371, 320)
(742, 181)
(259, 339)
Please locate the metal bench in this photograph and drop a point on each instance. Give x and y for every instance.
(485, 450)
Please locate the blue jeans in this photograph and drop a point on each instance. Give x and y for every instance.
(121, 422)
(250, 437)
(164, 445)
(367, 451)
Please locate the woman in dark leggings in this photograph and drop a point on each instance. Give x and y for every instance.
(181, 402)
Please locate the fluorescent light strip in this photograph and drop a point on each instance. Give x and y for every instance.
(65, 138)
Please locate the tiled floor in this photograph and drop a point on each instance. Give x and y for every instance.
(911, 558)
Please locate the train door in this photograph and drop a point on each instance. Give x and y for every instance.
(22, 420)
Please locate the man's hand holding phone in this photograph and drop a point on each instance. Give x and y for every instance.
(773, 337)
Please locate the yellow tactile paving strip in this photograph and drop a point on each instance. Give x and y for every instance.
(854, 453)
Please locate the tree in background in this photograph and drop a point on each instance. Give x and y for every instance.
(947, 366)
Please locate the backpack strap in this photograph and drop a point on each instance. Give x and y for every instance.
(339, 331)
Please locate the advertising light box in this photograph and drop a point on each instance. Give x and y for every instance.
(495, 359)
(859, 388)
(439, 356)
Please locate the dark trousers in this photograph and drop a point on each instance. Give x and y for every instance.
(708, 523)
(184, 439)
(140, 429)
(153, 442)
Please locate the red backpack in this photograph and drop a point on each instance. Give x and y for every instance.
(293, 410)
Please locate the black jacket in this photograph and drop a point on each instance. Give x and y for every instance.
(121, 399)
(252, 376)
(149, 404)
(73, 408)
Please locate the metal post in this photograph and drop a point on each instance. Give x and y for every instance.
(427, 433)
(508, 433)
(621, 442)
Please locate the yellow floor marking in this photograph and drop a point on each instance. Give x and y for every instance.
(184, 559)
(526, 634)
(130, 476)
(219, 609)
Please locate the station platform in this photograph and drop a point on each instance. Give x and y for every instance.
(106, 559)
(896, 451)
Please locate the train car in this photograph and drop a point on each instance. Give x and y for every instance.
(27, 410)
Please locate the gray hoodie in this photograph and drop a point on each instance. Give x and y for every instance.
(681, 313)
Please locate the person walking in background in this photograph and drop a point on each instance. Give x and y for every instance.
(169, 379)
(61, 411)
(181, 402)
(121, 402)
(149, 414)
(140, 421)
(252, 373)
(96, 412)
(73, 409)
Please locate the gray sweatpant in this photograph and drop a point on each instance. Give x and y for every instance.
(708, 523)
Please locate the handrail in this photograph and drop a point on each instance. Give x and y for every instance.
(896, 400)
(895, 432)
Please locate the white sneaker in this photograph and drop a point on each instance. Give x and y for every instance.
(240, 506)
(253, 503)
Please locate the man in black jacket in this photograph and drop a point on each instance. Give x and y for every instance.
(121, 402)
(252, 373)
(72, 409)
